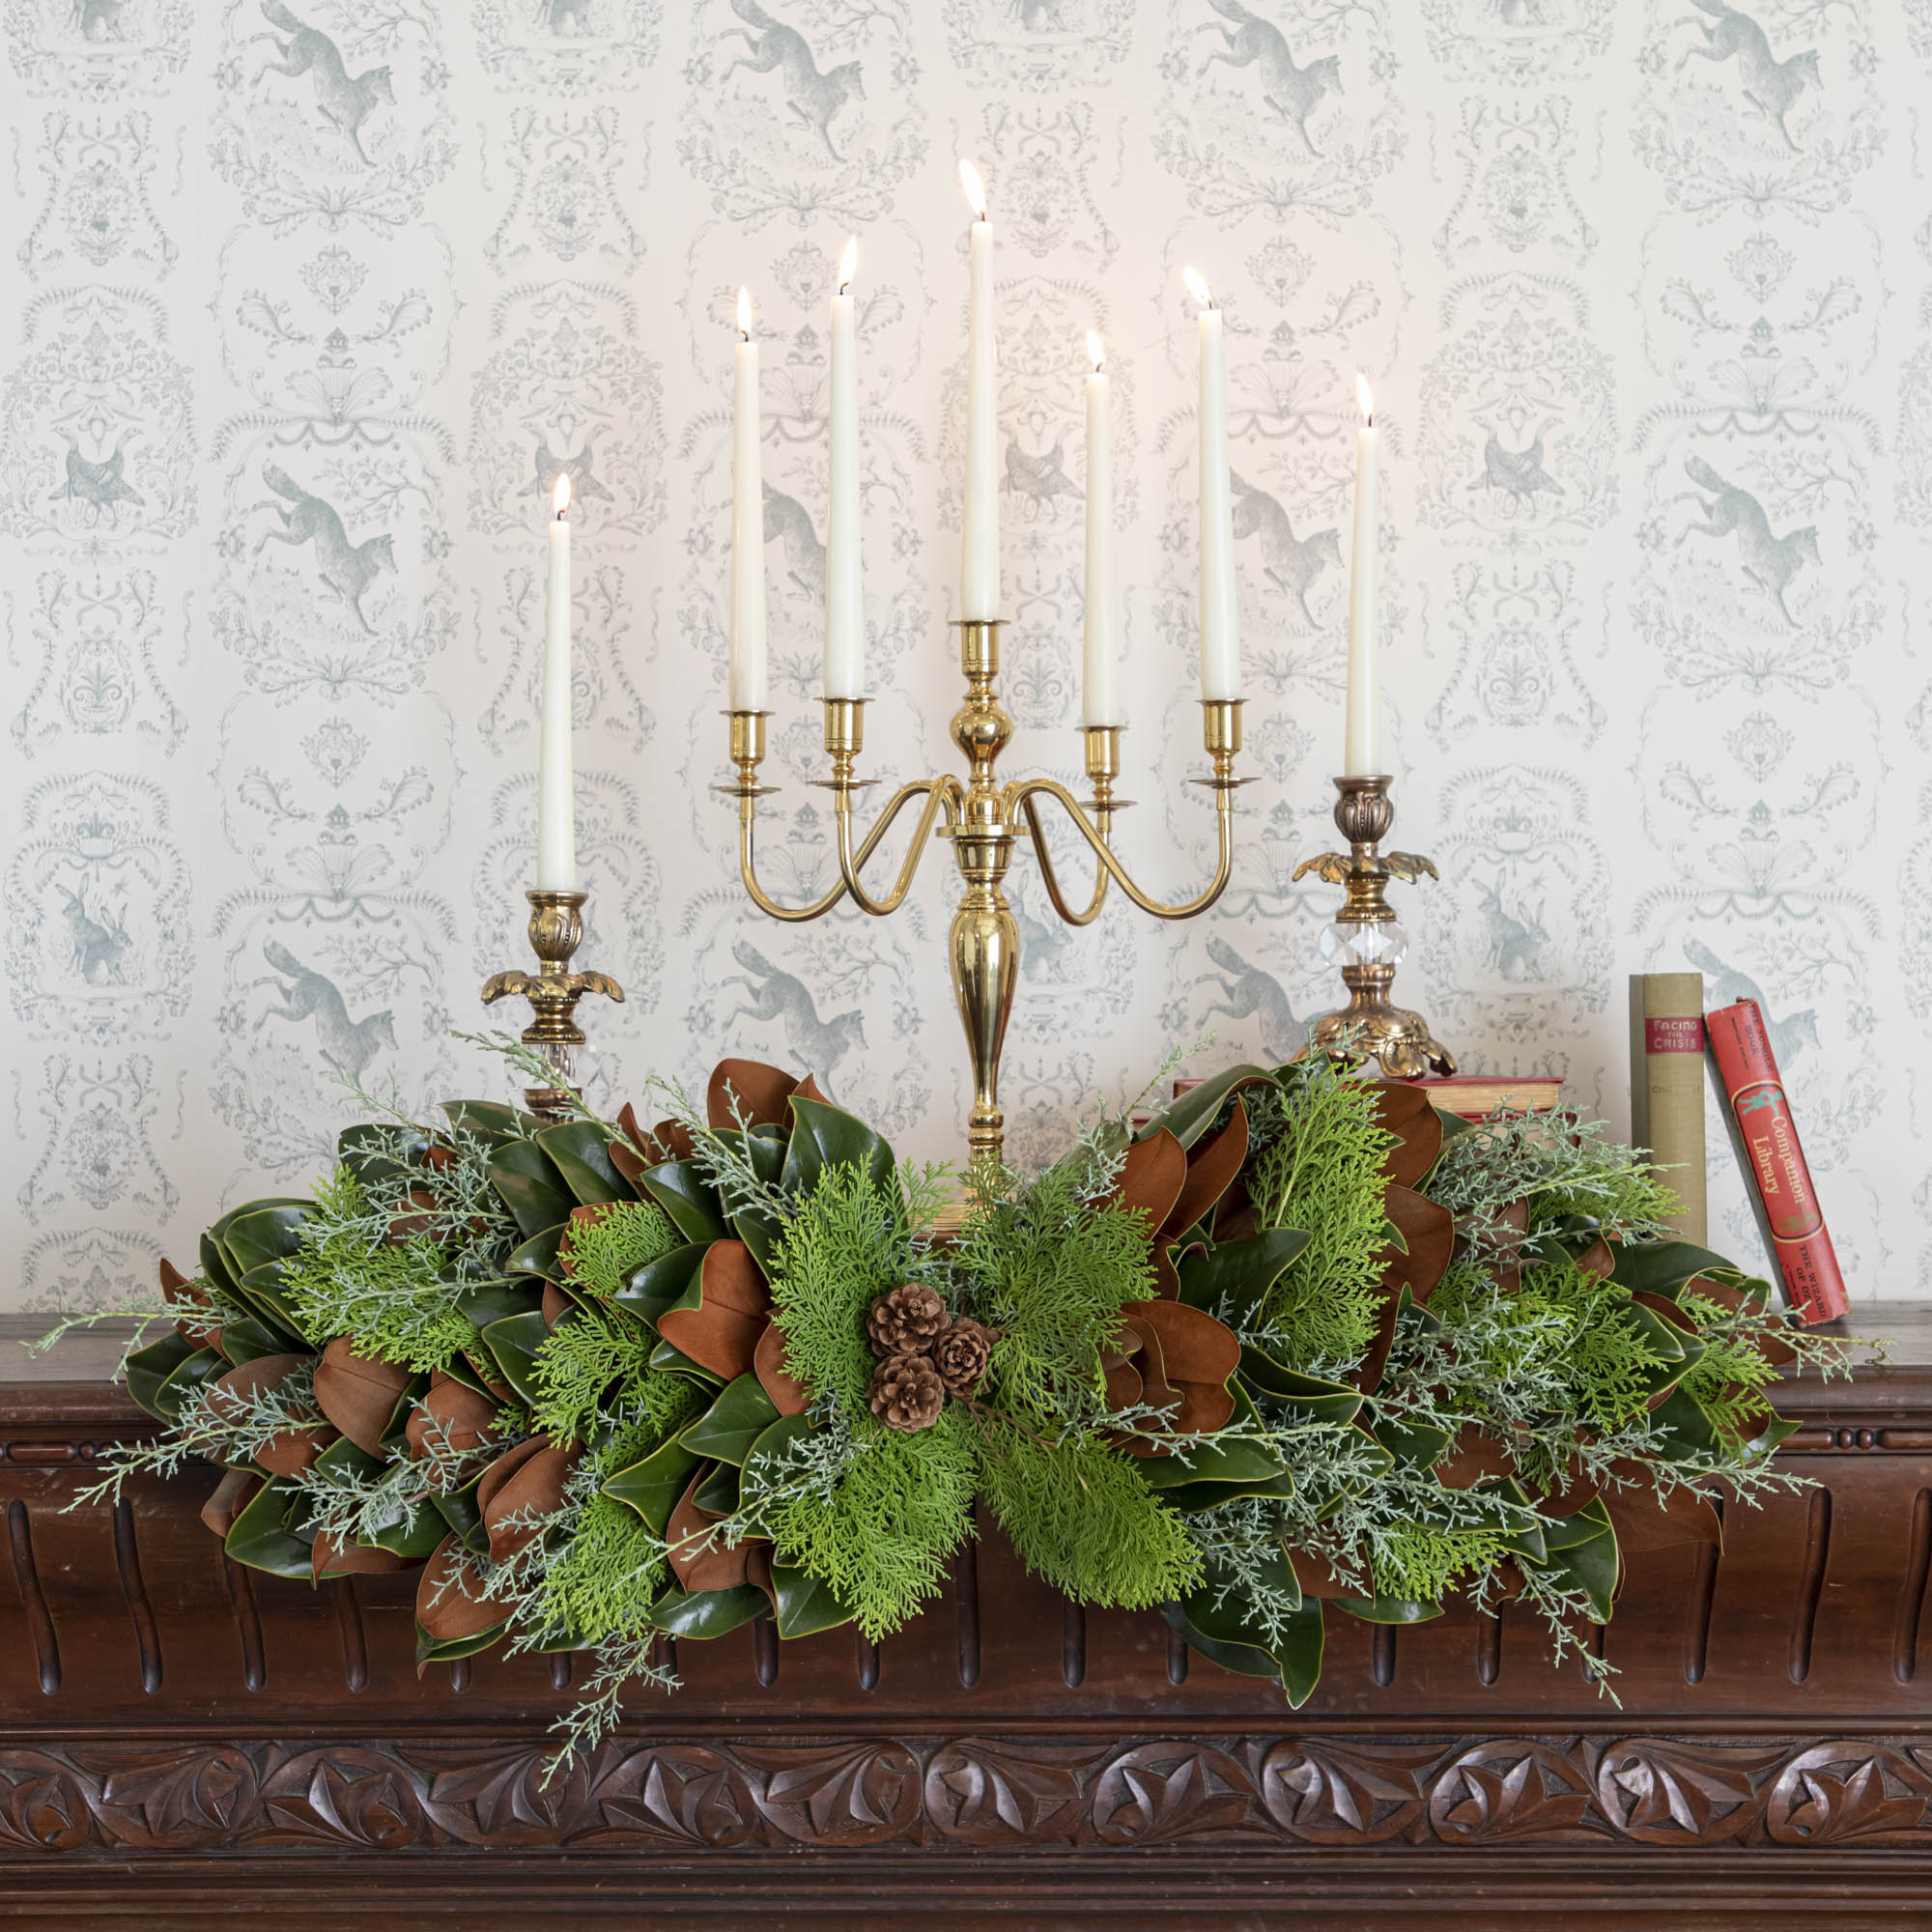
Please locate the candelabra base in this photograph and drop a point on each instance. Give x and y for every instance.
(555, 930)
(1371, 1028)
(1367, 942)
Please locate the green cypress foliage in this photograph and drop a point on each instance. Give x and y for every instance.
(1084, 1520)
(881, 1534)
(398, 1299)
(1048, 1268)
(1322, 1173)
(605, 1253)
(850, 1240)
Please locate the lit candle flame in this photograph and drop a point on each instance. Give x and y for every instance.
(560, 496)
(1197, 287)
(1097, 350)
(745, 313)
(1366, 399)
(976, 190)
(848, 263)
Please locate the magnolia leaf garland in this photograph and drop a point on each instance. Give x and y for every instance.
(1300, 1344)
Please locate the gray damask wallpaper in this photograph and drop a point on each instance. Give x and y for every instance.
(310, 300)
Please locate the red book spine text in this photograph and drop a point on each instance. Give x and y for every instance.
(1773, 1161)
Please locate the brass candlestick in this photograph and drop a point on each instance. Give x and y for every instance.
(555, 929)
(1367, 941)
(983, 819)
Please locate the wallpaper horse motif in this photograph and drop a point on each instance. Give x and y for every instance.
(316, 300)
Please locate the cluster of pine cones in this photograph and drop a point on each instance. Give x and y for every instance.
(924, 1355)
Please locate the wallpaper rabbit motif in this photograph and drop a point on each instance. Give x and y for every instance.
(316, 299)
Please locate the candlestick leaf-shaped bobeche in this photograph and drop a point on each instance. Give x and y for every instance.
(1367, 941)
(555, 930)
(983, 818)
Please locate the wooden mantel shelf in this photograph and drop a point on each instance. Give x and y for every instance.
(183, 1743)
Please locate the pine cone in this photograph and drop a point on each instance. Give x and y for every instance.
(906, 1321)
(962, 1354)
(906, 1393)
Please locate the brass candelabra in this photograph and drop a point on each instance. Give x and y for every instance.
(1367, 941)
(555, 929)
(982, 817)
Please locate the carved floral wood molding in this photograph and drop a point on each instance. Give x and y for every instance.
(994, 1794)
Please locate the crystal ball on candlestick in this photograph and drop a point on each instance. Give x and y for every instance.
(1381, 945)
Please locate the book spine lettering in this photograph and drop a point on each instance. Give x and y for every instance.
(1667, 1088)
(1765, 1135)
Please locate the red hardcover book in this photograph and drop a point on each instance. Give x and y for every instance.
(1764, 1134)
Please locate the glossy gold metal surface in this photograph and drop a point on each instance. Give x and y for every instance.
(983, 819)
(556, 931)
(1371, 1026)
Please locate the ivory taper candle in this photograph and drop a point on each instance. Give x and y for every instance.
(556, 812)
(1220, 621)
(844, 610)
(747, 682)
(1362, 737)
(980, 520)
(1100, 670)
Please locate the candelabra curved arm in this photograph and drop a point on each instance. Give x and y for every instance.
(1023, 796)
(941, 794)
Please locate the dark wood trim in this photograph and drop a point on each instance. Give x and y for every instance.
(199, 1745)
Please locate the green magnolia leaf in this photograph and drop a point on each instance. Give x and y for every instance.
(802, 1604)
(1298, 1653)
(718, 1493)
(458, 1508)
(675, 1362)
(826, 1136)
(261, 1291)
(710, 1612)
(759, 1226)
(1684, 1432)
(1230, 1279)
(1414, 1447)
(1453, 1125)
(150, 1367)
(1315, 1396)
(1217, 1463)
(368, 1149)
(514, 1342)
(581, 1152)
(1188, 1117)
(1387, 1609)
(1246, 1658)
(488, 1301)
(203, 1366)
(732, 1424)
(342, 1461)
(413, 1535)
(1583, 1555)
(527, 1180)
(488, 1119)
(538, 1256)
(772, 1445)
(450, 1649)
(652, 1488)
(1190, 1497)
(681, 1190)
(1774, 1431)
(246, 1339)
(262, 1230)
(215, 1264)
(1662, 1267)
(661, 1284)
(259, 1536)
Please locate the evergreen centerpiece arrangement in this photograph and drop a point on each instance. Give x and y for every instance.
(1298, 1344)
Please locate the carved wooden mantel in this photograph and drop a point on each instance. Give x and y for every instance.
(182, 1740)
